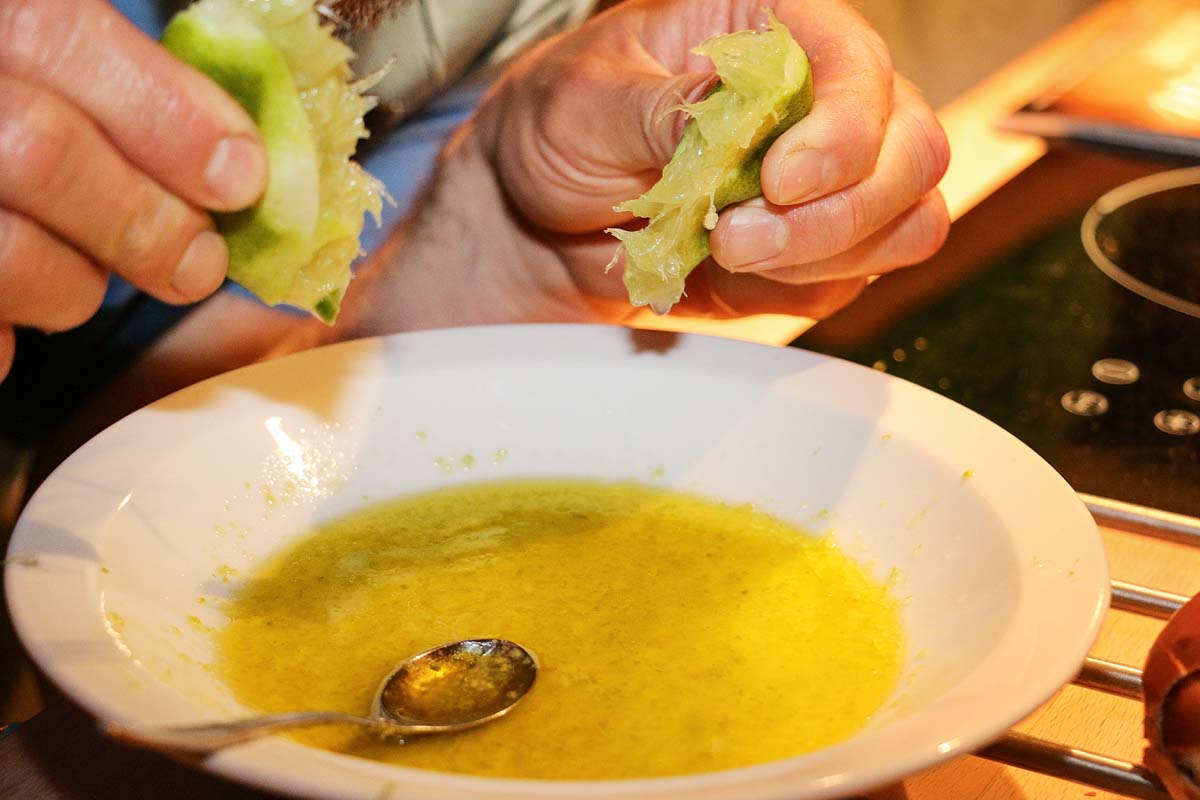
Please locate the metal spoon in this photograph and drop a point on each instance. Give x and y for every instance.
(448, 688)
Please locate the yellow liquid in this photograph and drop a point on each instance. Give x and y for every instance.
(674, 634)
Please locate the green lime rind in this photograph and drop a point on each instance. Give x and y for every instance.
(292, 76)
(765, 87)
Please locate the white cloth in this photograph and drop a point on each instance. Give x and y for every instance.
(419, 46)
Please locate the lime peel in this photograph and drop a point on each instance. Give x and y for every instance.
(765, 87)
(292, 76)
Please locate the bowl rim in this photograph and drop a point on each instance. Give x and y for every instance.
(286, 766)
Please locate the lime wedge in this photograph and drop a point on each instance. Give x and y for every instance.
(293, 77)
(765, 87)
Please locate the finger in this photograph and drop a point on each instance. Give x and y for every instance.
(8, 349)
(911, 238)
(641, 102)
(838, 142)
(61, 171)
(759, 235)
(44, 283)
(165, 117)
(567, 178)
(725, 295)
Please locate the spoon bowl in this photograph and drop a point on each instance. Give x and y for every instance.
(457, 685)
(448, 688)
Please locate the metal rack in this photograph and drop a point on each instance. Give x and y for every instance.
(1082, 766)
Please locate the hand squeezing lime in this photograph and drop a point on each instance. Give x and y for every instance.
(766, 86)
(292, 76)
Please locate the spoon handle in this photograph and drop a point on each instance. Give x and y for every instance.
(205, 738)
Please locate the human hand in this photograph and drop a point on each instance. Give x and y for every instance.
(585, 121)
(110, 152)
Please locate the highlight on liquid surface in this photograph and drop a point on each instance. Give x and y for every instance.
(674, 634)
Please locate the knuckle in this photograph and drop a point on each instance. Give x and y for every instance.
(37, 35)
(560, 88)
(536, 78)
(860, 151)
(143, 237)
(934, 227)
(8, 346)
(9, 253)
(855, 134)
(23, 25)
(80, 302)
(51, 301)
(36, 142)
(133, 237)
(85, 301)
(940, 146)
(854, 214)
(880, 54)
(927, 151)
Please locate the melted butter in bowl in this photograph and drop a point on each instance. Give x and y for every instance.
(675, 634)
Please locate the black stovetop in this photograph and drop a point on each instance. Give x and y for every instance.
(1101, 383)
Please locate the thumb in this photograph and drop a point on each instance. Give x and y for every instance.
(601, 137)
(657, 103)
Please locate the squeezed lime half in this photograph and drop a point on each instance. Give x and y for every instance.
(765, 87)
(292, 76)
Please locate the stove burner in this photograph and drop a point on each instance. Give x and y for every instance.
(1085, 403)
(1116, 371)
(1177, 422)
(1144, 236)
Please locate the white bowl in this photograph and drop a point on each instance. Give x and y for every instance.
(1003, 566)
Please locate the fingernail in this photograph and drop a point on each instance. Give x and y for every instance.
(702, 86)
(803, 176)
(237, 171)
(753, 235)
(202, 266)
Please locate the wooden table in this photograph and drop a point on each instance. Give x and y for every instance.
(60, 755)
(1084, 718)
